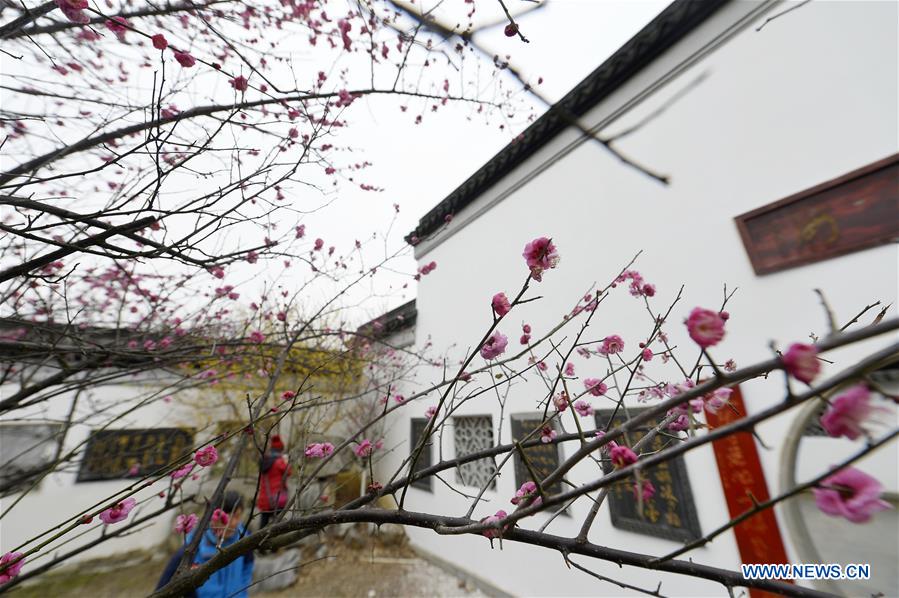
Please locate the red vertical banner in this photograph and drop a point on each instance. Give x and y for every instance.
(758, 537)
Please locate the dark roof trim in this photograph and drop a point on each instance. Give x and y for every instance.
(669, 27)
(396, 319)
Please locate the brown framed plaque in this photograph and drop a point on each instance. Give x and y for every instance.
(856, 211)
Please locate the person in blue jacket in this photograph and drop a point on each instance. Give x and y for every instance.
(233, 580)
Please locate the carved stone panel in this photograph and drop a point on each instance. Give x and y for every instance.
(542, 459)
(115, 454)
(418, 425)
(670, 513)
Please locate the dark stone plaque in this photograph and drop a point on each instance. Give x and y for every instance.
(670, 513)
(418, 425)
(543, 458)
(116, 454)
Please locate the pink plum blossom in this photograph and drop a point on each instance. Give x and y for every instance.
(540, 255)
(645, 491)
(206, 456)
(182, 471)
(717, 399)
(431, 411)
(319, 450)
(119, 512)
(119, 26)
(848, 412)
(647, 354)
(185, 59)
(494, 346)
(547, 435)
(622, 456)
(706, 327)
(612, 344)
(185, 523)
(500, 304)
(801, 362)
(10, 566)
(74, 10)
(527, 490)
(569, 369)
(496, 518)
(525, 339)
(257, 337)
(239, 83)
(850, 493)
(159, 41)
(583, 408)
(367, 447)
(596, 386)
(561, 401)
(220, 516)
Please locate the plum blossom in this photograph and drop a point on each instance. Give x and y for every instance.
(159, 41)
(569, 369)
(494, 346)
(848, 412)
(611, 344)
(527, 490)
(257, 337)
(492, 519)
(583, 408)
(547, 434)
(118, 512)
(367, 447)
(706, 327)
(185, 523)
(622, 456)
(206, 456)
(525, 339)
(119, 26)
(637, 287)
(801, 362)
(400, 399)
(500, 304)
(850, 493)
(561, 401)
(647, 354)
(220, 516)
(185, 59)
(182, 471)
(644, 491)
(717, 399)
(595, 386)
(74, 11)
(540, 255)
(239, 83)
(431, 411)
(9, 571)
(319, 450)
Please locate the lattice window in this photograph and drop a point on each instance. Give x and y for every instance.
(26, 452)
(473, 434)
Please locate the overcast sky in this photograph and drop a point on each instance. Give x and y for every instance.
(418, 165)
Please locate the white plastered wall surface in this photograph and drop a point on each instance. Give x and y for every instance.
(133, 404)
(808, 98)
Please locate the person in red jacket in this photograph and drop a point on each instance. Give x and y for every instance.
(273, 473)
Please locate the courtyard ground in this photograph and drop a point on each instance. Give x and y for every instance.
(337, 567)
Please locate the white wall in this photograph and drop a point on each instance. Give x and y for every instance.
(59, 496)
(810, 97)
